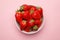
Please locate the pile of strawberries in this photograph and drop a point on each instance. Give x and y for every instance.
(29, 17)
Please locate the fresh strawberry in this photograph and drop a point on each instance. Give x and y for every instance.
(26, 15)
(18, 16)
(23, 24)
(24, 7)
(32, 8)
(38, 22)
(36, 15)
(40, 11)
(30, 23)
(27, 29)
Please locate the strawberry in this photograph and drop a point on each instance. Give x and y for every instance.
(38, 22)
(26, 15)
(24, 7)
(27, 29)
(40, 11)
(23, 24)
(36, 15)
(18, 16)
(32, 8)
(30, 23)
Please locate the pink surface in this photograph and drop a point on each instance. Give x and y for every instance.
(51, 30)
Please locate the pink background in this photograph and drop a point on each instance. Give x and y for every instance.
(51, 30)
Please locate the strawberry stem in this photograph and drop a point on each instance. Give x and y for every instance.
(31, 11)
(24, 21)
(22, 7)
(18, 10)
(32, 20)
(35, 27)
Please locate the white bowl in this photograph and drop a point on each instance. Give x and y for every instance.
(42, 25)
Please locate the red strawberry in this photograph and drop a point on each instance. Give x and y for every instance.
(40, 11)
(24, 7)
(27, 29)
(38, 22)
(36, 15)
(26, 15)
(18, 16)
(23, 24)
(32, 8)
(30, 23)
